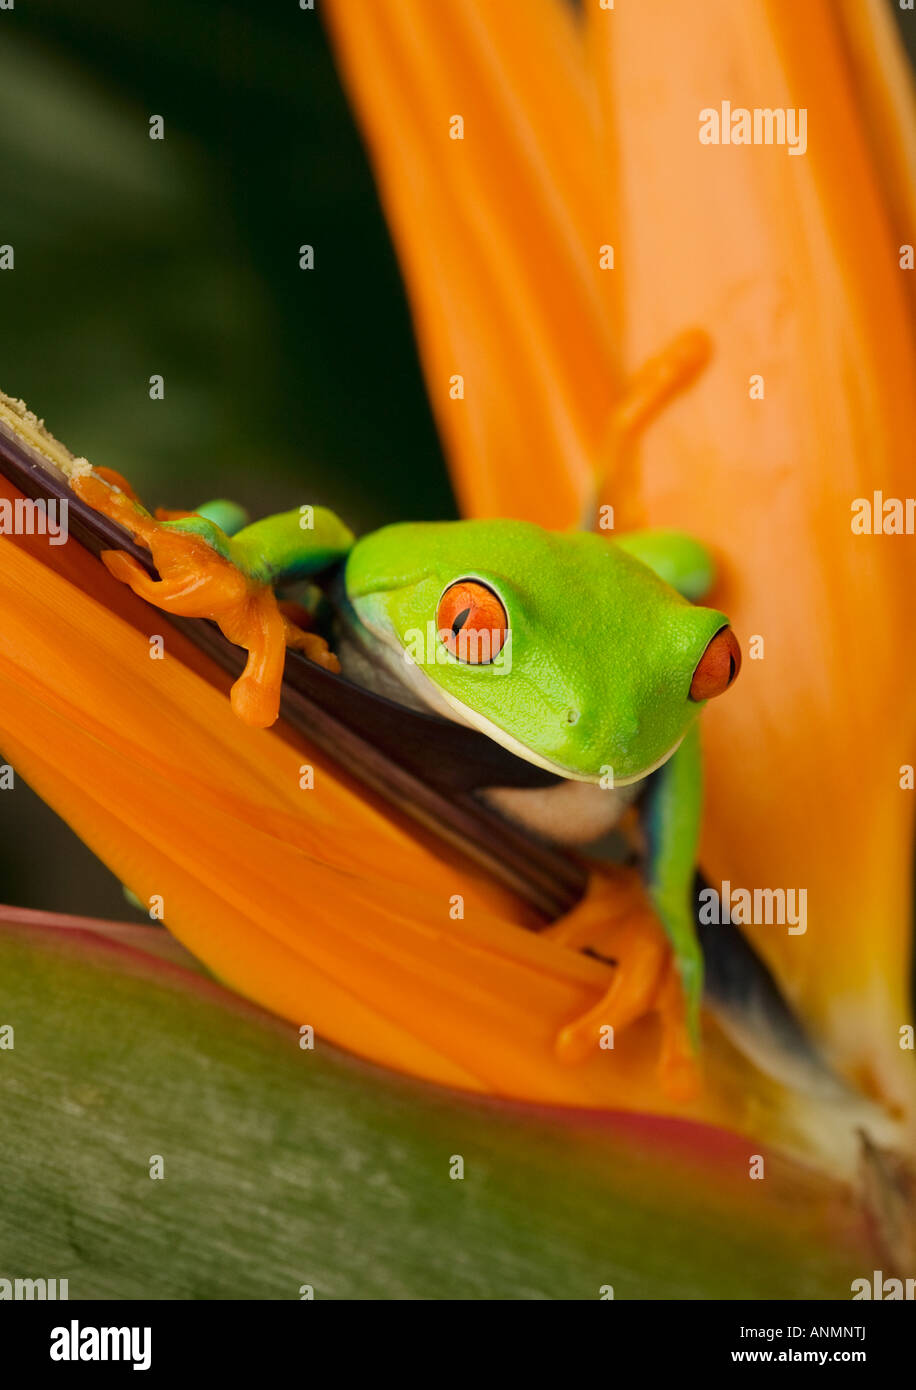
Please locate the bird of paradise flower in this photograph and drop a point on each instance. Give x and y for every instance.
(502, 236)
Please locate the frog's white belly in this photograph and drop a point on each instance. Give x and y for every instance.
(572, 813)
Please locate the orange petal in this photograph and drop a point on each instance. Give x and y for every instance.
(886, 93)
(790, 263)
(498, 233)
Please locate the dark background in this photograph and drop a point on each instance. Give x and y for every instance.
(180, 257)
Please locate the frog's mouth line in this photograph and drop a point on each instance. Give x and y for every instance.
(433, 697)
(493, 731)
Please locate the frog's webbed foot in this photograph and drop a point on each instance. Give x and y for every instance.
(615, 923)
(183, 594)
(310, 644)
(197, 581)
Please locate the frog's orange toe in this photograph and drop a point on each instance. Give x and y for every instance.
(255, 703)
(311, 645)
(116, 480)
(615, 922)
(123, 566)
(679, 1065)
(196, 581)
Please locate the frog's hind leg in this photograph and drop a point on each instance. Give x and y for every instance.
(230, 517)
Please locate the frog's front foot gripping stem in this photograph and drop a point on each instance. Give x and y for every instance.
(197, 582)
(615, 922)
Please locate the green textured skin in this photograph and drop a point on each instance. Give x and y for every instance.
(596, 671)
(681, 561)
(282, 547)
(602, 650)
(279, 547)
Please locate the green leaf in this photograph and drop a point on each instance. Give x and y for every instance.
(286, 1166)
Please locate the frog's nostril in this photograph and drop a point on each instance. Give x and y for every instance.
(717, 667)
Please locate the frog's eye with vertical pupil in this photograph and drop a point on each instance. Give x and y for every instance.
(472, 622)
(717, 667)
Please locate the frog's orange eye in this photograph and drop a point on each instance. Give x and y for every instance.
(472, 622)
(717, 667)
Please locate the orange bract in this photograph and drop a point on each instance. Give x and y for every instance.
(328, 909)
(791, 265)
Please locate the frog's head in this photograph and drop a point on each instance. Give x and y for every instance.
(560, 646)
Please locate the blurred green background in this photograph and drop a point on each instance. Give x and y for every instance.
(180, 257)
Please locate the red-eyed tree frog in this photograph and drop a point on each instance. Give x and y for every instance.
(586, 656)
